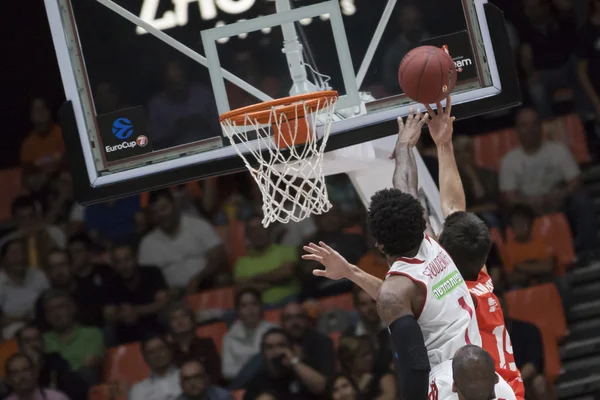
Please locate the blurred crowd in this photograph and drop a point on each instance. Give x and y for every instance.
(81, 285)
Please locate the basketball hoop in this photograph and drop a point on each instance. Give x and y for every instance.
(282, 136)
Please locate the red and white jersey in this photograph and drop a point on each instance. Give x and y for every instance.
(447, 318)
(494, 335)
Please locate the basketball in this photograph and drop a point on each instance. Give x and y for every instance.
(427, 74)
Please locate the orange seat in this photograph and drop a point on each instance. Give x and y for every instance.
(125, 364)
(555, 230)
(273, 315)
(492, 147)
(7, 349)
(339, 302)
(237, 238)
(215, 332)
(217, 298)
(108, 391)
(542, 306)
(569, 130)
(10, 182)
(238, 394)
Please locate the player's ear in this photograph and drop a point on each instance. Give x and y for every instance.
(454, 387)
(497, 379)
(379, 247)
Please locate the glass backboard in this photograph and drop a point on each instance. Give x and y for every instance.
(146, 80)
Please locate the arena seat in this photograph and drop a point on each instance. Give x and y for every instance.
(491, 147)
(238, 394)
(215, 332)
(340, 302)
(569, 130)
(125, 364)
(10, 182)
(7, 349)
(555, 229)
(108, 391)
(217, 298)
(542, 306)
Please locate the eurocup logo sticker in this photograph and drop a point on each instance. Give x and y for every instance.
(122, 128)
(141, 141)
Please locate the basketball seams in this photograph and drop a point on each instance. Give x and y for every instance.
(402, 71)
(423, 73)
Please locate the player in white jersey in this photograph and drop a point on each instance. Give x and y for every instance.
(424, 301)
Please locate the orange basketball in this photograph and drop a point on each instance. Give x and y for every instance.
(427, 74)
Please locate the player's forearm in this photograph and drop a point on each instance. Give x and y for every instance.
(452, 193)
(406, 177)
(365, 281)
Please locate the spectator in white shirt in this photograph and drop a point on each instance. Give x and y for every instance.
(163, 382)
(242, 341)
(187, 249)
(20, 286)
(545, 176)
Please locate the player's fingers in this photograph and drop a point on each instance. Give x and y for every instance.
(313, 249)
(440, 109)
(424, 120)
(411, 114)
(418, 116)
(312, 257)
(448, 105)
(430, 110)
(400, 124)
(327, 248)
(452, 119)
(319, 272)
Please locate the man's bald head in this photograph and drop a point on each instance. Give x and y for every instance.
(474, 374)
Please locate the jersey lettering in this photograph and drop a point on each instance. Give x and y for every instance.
(462, 302)
(504, 345)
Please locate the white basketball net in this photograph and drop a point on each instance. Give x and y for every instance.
(290, 178)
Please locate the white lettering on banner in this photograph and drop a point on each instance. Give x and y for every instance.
(208, 10)
(463, 63)
(124, 145)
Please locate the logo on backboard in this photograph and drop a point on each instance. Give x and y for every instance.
(124, 134)
(458, 46)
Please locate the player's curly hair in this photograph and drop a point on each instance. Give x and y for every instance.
(396, 221)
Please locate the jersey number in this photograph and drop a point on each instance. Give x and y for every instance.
(463, 304)
(504, 345)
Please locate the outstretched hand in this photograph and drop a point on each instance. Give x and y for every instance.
(440, 125)
(336, 266)
(410, 132)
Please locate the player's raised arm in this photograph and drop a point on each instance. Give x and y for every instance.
(406, 175)
(452, 193)
(336, 267)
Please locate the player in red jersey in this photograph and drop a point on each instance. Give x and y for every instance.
(468, 242)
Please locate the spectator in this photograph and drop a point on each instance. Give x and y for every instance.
(21, 375)
(36, 184)
(31, 226)
(59, 272)
(311, 347)
(43, 146)
(185, 345)
(283, 374)
(342, 388)
(545, 176)
(528, 350)
(357, 362)
(588, 54)
(195, 384)
(481, 184)
(163, 382)
(412, 33)
(113, 221)
(547, 54)
(20, 285)
(95, 280)
(81, 346)
(54, 371)
(242, 341)
(187, 250)
(268, 267)
(60, 199)
(185, 112)
(529, 259)
(138, 295)
(370, 326)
